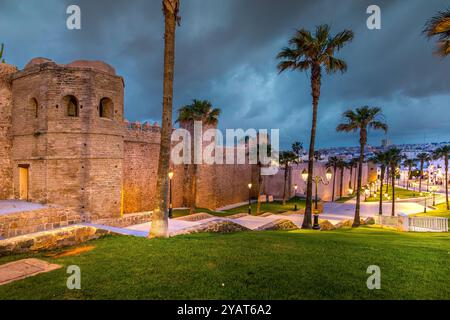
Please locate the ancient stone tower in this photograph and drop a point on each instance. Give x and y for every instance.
(67, 131)
(6, 173)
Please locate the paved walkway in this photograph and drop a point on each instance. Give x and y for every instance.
(334, 212)
(13, 206)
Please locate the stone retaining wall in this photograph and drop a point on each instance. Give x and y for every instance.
(50, 240)
(127, 220)
(20, 223)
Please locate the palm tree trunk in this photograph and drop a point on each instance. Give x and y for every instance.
(193, 200)
(356, 175)
(420, 178)
(260, 188)
(334, 184)
(393, 191)
(446, 182)
(315, 87)
(380, 212)
(351, 177)
(363, 139)
(341, 187)
(388, 172)
(160, 222)
(285, 184)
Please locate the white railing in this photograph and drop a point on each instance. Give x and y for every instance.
(428, 224)
(417, 224)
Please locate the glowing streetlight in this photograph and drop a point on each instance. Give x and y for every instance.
(317, 180)
(250, 198)
(295, 205)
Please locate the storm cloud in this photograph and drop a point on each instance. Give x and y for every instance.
(225, 52)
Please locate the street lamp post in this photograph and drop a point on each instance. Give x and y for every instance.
(434, 189)
(295, 188)
(317, 180)
(249, 198)
(170, 194)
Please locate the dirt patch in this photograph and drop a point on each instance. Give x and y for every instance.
(70, 253)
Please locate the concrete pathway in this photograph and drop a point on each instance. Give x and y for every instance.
(175, 226)
(12, 206)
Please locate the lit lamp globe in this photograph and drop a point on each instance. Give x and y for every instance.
(350, 191)
(250, 185)
(171, 175)
(305, 175)
(329, 175)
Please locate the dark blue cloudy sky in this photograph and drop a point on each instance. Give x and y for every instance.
(226, 53)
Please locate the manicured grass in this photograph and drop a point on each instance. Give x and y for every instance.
(185, 212)
(440, 212)
(251, 265)
(273, 207)
(399, 193)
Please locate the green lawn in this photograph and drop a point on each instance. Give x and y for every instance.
(185, 212)
(440, 212)
(251, 265)
(273, 207)
(399, 193)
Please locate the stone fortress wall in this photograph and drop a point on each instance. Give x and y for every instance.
(62, 130)
(64, 137)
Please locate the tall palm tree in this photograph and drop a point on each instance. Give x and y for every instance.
(351, 164)
(440, 153)
(318, 156)
(203, 111)
(160, 223)
(439, 26)
(394, 157)
(361, 119)
(341, 166)
(422, 158)
(409, 163)
(333, 163)
(314, 52)
(381, 158)
(286, 159)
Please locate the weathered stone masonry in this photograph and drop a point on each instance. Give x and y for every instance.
(63, 135)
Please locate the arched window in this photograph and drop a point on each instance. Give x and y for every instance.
(72, 107)
(34, 107)
(106, 108)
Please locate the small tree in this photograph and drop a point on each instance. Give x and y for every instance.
(381, 158)
(409, 163)
(361, 120)
(286, 159)
(442, 153)
(333, 163)
(422, 158)
(394, 157)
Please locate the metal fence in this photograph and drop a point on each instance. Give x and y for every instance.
(417, 224)
(428, 224)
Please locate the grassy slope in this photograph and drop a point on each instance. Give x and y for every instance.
(440, 212)
(399, 193)
(273, 207)
(263, 265)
